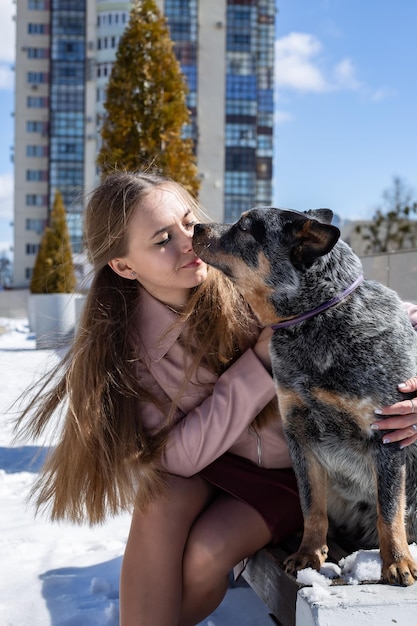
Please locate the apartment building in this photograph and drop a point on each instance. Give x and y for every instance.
(64, 54)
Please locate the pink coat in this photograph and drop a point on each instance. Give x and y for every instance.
(216, 418)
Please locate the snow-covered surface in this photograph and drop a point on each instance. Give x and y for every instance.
(358, 567)
(60, 574)
(365, 604)
(65, 575)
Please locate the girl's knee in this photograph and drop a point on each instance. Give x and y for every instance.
(205, 556)
(175, 509)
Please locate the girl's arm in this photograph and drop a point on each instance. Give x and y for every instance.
(211, 428)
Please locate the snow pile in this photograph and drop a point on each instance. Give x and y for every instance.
(359, 567)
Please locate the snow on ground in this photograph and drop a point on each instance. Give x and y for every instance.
(60, 574)
(63, 575)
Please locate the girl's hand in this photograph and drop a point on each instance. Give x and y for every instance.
(404, 424)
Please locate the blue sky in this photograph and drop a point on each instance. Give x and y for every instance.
(7, 52)
(346, 100)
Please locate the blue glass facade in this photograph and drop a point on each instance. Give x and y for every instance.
(183, 25)
(67, 95)
(249, 100)
(250, 43)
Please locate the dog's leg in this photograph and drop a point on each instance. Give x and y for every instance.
(312, 485)
(398, 566)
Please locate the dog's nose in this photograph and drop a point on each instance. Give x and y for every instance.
(198, 228)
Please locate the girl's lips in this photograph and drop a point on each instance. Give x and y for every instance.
(194, 263)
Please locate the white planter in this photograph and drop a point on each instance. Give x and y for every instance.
(51, 317)
(79, 305)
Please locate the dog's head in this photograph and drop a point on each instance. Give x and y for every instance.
(265, 250)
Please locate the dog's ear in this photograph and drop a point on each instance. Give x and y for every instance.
(323, 215)
(310, 239)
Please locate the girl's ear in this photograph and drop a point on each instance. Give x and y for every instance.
(122, 268)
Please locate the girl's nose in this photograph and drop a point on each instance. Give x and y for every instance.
(187, 242)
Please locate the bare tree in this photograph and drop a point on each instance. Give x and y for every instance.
(391, 227)
(5, 270)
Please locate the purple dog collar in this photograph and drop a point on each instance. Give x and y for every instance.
(323, 307)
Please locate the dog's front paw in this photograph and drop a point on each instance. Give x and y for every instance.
(306, 558)
(402, 572)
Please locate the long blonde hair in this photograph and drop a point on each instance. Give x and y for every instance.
(105, 460)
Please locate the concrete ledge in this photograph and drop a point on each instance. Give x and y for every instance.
(352, 605)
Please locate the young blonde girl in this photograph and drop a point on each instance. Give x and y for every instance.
(165, 406)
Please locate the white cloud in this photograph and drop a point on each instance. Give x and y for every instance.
(299, 65)
(344, 74)
(6, 76)
(7, 31)
(382, 94)
(296, 65)
(7, 43)
(282, 117)
(6, 196)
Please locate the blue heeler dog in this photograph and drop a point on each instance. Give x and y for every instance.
(340, 346)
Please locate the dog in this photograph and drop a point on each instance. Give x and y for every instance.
(340, 346)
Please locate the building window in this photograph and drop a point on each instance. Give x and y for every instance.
(37, 77)
(39, 5)
(67, 150)
(37, 102)
(37, 127)
(67, 100)
(241, 135)
(67, 124)
(36, 151)
(36, 199)
(64, 73)
(266, 100)
(66, 174)
(104, 69)
(35, 225)
(241, 107)
(241, 86)
(38, 53)
(37, 175)
(239, 183)
(38, 29)
(265, 144)
(240, 159)
(263, 192)
(32, 248)
(264, 168)
(68, 23)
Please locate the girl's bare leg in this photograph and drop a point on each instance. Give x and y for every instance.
(225, 533)
(151, 575)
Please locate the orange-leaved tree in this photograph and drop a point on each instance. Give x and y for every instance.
(145, 103)
(54, 269)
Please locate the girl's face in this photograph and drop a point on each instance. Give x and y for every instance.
(160, 254)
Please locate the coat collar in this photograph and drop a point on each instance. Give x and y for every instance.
(153, 319)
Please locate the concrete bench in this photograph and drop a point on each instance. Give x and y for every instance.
(294, 604)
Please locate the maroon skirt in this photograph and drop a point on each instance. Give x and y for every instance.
(272, 492)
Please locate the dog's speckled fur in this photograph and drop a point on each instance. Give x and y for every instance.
(331, 372)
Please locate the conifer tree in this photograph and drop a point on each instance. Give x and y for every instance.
(54, 269)
(146, 103)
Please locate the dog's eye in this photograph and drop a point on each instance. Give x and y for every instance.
(244, 226)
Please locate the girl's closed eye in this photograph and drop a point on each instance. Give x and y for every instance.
(164, 241)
